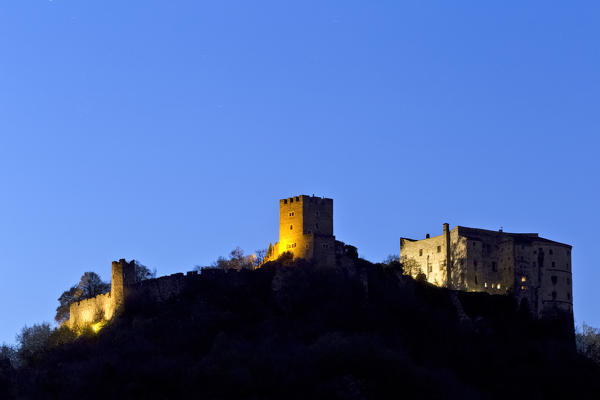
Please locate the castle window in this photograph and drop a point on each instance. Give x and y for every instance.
(291, 200)
(553, 264)
(420, 252)
(523, 287)
(476, 279)
(429, 267)
(284, 201)
(297, 198)
(291, 227)
(292, 214)
(475, 265)
(523, 279)
(485, 284)
(317, 226)
(554, 295)
(498, 286)
(439, 249)
(551, 252)
(554, 280)
(494, 266)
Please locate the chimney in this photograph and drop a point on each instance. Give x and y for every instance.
(448, 255)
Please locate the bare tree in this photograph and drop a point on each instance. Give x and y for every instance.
(587, 339)
(142, 272)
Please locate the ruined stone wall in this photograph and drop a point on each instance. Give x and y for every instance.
(162, 288)
(88, 311)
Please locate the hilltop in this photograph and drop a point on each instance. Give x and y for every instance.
(294, 330)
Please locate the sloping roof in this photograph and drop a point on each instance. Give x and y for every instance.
(519, 237)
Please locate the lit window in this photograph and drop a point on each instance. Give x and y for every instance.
(523, 279)
(523, 287)
(485, 284)
(499, 286)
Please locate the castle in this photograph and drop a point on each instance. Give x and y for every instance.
(534, 270)
(306, 231)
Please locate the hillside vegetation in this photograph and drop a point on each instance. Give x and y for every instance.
(292, 330)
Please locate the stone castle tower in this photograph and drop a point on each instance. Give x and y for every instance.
(305, 229)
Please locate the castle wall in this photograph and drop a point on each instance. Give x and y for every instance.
(88, 311)
(427, 256)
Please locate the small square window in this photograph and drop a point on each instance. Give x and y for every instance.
(551, 252)
(523, 279)
(439, 249)
(420, 252)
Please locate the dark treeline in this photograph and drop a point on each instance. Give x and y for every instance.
(291, 330)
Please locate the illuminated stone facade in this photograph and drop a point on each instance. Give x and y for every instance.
(306, 230)
(88, 311)
(536, 271)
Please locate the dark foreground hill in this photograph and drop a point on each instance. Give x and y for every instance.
(297, 331)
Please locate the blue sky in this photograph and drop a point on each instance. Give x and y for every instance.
(167, 131)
